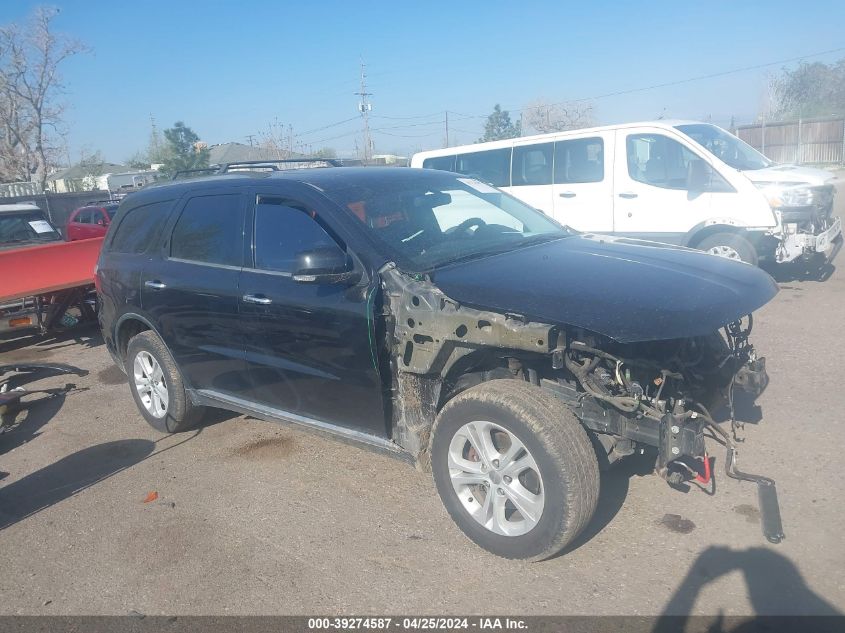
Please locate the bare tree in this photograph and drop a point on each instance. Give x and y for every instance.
(30, 89)
(543, 116)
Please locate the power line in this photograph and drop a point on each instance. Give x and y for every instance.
(667, 84)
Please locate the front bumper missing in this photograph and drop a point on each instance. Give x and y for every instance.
(682, 442)
(794, 245)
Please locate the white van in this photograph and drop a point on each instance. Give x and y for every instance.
(680, 182)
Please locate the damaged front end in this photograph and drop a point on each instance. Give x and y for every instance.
(661, 394)
(630, 396)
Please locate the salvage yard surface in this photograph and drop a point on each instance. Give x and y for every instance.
(249, 517)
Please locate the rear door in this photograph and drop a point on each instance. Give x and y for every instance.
(309, 347)
(191, 292)
(652, 199)
(582, 193)
(531, 175)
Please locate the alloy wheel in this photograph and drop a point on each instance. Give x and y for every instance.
(496, 478)
(150, 384)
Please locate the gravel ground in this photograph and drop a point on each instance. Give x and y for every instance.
(257, 518)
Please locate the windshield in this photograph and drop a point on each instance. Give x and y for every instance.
(26, 227)
(429, 222)
(724, 146)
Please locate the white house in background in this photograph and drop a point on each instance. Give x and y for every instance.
(111, 177)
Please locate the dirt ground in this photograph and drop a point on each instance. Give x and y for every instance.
(257, 518)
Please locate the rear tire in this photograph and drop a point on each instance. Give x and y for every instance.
(729, 245)
(533, 484)
(157, 385)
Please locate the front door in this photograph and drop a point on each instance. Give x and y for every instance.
(309, 347)
(652, 199)
(192, 292)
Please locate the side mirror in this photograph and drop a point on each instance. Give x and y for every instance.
(325, 265)
(698, 175)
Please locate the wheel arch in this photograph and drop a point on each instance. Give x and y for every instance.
(707, 228)
(127, 326)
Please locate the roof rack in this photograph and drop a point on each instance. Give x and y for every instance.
(256, 165)
(92, 203)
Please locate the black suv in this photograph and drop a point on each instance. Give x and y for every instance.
(440, 320)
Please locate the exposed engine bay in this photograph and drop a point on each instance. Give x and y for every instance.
(631, 397)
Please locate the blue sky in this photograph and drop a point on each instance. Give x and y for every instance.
(229, 69)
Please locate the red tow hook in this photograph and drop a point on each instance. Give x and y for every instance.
(705, 479)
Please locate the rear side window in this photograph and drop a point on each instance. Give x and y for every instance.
(283, 229)
(579, 160)
(443, 163)
(532, 164)
(140, 228)
(210, 230)
(492, 166)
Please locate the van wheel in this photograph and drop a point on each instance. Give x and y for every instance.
(731, 246)
(514, 468)
(157, 385)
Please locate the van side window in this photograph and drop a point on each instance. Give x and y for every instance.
(579, 160)
(532, 164)
(210, 230)
(658, 160)
(492, 166)
(443, 163)
(140, 227)
(284, 228)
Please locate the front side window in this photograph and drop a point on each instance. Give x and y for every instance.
(658, 160)
(210, 230)
(492, 166)
(579, 161)
(83, 217)
(140, 228)
(284, 228)
(532, 164)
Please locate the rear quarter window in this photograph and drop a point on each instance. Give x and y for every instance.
(140, 228)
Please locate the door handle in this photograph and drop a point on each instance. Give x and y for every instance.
(627, 195)
(259, 299)
(567, 194)
(155, 285)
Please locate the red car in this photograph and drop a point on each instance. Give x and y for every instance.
(89, 221)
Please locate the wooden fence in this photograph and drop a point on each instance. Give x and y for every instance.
(814, 141)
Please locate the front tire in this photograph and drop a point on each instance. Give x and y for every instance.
(157, 385)
(730, 246)
(515, 469)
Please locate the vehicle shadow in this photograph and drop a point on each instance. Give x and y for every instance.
(774, 588)
(31, 416)
(88, 336)
(614, 489)
(66, 477)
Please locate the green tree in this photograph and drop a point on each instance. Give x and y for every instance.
(499, 126)
(816, 89)
(182, 150)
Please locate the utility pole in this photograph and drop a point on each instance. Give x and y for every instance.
(249, 137)
(364, 107)
(447, 128)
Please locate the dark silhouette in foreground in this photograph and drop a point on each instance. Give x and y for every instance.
(775, 588)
